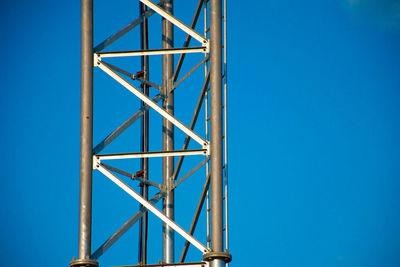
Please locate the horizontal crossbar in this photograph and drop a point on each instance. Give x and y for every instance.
(152, 154)
(152, 52)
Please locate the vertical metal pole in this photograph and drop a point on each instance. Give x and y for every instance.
(168, 133)
(226, 131)
(85, 205)
(217, 243)
(144, 191)
(207, 136)
(85, 211)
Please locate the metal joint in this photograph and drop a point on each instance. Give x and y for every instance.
(96, 162)
(83, 263)
(206, 44)
(207, 147)
(96, 59)
(165, 188)
(210, 256)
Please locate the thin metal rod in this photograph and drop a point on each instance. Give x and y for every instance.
(151, 154)
(86, 140)
(130, 175)
(168, 241)
(117, 132)
(124, 72)
(196, 217)
(123, 31)
(152, 209)
(152, 104)
(226, 129)
(206, 127)
(217, 240)
(134, 77)
(144, 147)
(147, 82)
(187, 40)
(124, 228)
(153, 52)
(190, 173)
(190, 72)
(165, 14)
(192, 124)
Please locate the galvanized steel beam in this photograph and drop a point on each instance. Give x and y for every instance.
(168, 235)
(86, 140)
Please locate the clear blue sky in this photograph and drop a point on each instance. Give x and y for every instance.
(313, 124)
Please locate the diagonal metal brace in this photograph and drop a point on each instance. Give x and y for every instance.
(123, 31)
(187, 40)
(196, 216)
(152, 104)
(124, 228)
(190, 72)
(175, 21)
(133, 177)
(192, 124)
(117, 132)
(153, 209)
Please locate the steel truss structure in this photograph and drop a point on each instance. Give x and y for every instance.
(213, 146)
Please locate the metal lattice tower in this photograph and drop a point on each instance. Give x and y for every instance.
(212, 147)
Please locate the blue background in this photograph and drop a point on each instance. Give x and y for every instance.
(313, 133)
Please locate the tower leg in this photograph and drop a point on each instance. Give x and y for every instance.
(143, 226)
(86, 165)
(217, 257)
(168, 133)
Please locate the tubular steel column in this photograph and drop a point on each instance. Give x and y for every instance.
(168, 133)
(144, 189)
(86, 165)
(217, 256)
